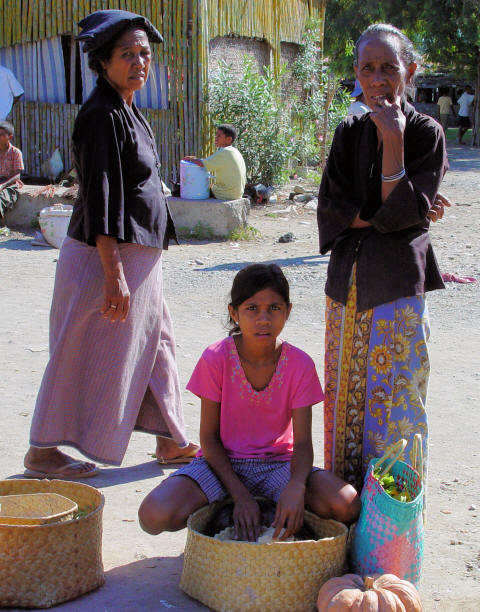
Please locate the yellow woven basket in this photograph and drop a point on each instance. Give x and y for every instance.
(249, 577)
(35, 509)
(44, 565)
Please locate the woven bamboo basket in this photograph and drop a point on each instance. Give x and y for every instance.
(44, 565)
(35, 509)
(249, 577)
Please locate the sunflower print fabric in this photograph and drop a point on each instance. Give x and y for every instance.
(376, 375)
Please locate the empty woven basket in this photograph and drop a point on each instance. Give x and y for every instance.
(249, 577)
(44, 565)
(35, 509)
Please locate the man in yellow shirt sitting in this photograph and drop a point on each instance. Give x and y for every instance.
(226, 164)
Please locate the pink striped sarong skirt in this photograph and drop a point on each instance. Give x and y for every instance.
(104, 379)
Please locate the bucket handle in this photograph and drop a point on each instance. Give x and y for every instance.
(395, 451)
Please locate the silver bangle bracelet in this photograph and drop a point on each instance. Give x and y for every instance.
(393, 177)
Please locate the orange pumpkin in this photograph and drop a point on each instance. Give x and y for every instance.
(378, 593)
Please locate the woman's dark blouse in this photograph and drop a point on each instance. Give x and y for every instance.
(394, 256)
(120, 191)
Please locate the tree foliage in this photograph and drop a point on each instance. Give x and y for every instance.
(446, 32)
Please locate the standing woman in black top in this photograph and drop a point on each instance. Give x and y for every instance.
(377, 191)
(112, 362)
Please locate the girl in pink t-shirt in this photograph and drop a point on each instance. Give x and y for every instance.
(257, 393)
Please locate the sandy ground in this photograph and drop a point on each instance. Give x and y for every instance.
(143, 571)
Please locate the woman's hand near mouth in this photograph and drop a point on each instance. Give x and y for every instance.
(389, 118)
(390, 122)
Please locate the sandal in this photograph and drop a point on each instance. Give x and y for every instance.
(60, 474)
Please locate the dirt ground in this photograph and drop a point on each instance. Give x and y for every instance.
(143, 571)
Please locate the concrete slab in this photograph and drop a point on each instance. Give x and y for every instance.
(218, 216)
(221, 217)
(29, 204)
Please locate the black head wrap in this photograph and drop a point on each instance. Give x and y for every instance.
(99, 27)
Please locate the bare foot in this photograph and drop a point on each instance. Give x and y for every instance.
(51, 461)
(168, 451)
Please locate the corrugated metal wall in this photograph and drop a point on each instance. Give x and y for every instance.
(187, 26)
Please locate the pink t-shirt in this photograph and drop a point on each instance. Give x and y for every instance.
(256, 424)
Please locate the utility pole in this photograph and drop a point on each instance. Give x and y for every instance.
(476, 111)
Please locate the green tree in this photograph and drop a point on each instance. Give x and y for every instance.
(446, 32)
(345, 20)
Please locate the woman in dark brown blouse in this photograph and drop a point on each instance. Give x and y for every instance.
(377, 192)
(112, 362)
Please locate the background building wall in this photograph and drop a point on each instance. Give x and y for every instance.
(187, 27)
(290, 85)
(232, 49)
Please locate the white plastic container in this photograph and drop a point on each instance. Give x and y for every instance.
(54, 222)
(194, 181)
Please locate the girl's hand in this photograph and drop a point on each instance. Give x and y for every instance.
(389, 118)
(290, 510)
(247, 518)
(116, 303)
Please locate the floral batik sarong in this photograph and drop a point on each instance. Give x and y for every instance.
(376, 374)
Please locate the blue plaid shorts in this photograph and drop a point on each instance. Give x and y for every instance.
(262, 477)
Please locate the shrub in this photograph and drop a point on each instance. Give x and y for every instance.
(254, 106)
(274, 135)
(244, 233)
(323, 105)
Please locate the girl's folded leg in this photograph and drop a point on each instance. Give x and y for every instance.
(331, 497)
(169, 505)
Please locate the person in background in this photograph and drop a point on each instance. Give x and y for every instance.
(358, 107)
(465, 102)
(112, 366)
(445, 104)
(379, 185)
(226, 164)
(11, 165)
(10, 92)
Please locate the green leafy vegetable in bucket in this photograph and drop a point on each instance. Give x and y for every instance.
(81, 512)
(396, 490)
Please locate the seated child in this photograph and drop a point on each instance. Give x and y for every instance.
(11, 164)
(257, 393)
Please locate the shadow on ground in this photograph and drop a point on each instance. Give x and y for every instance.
(14, 244)
(147, 584)
(307, 260)
(466, 158)
(112, 476)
